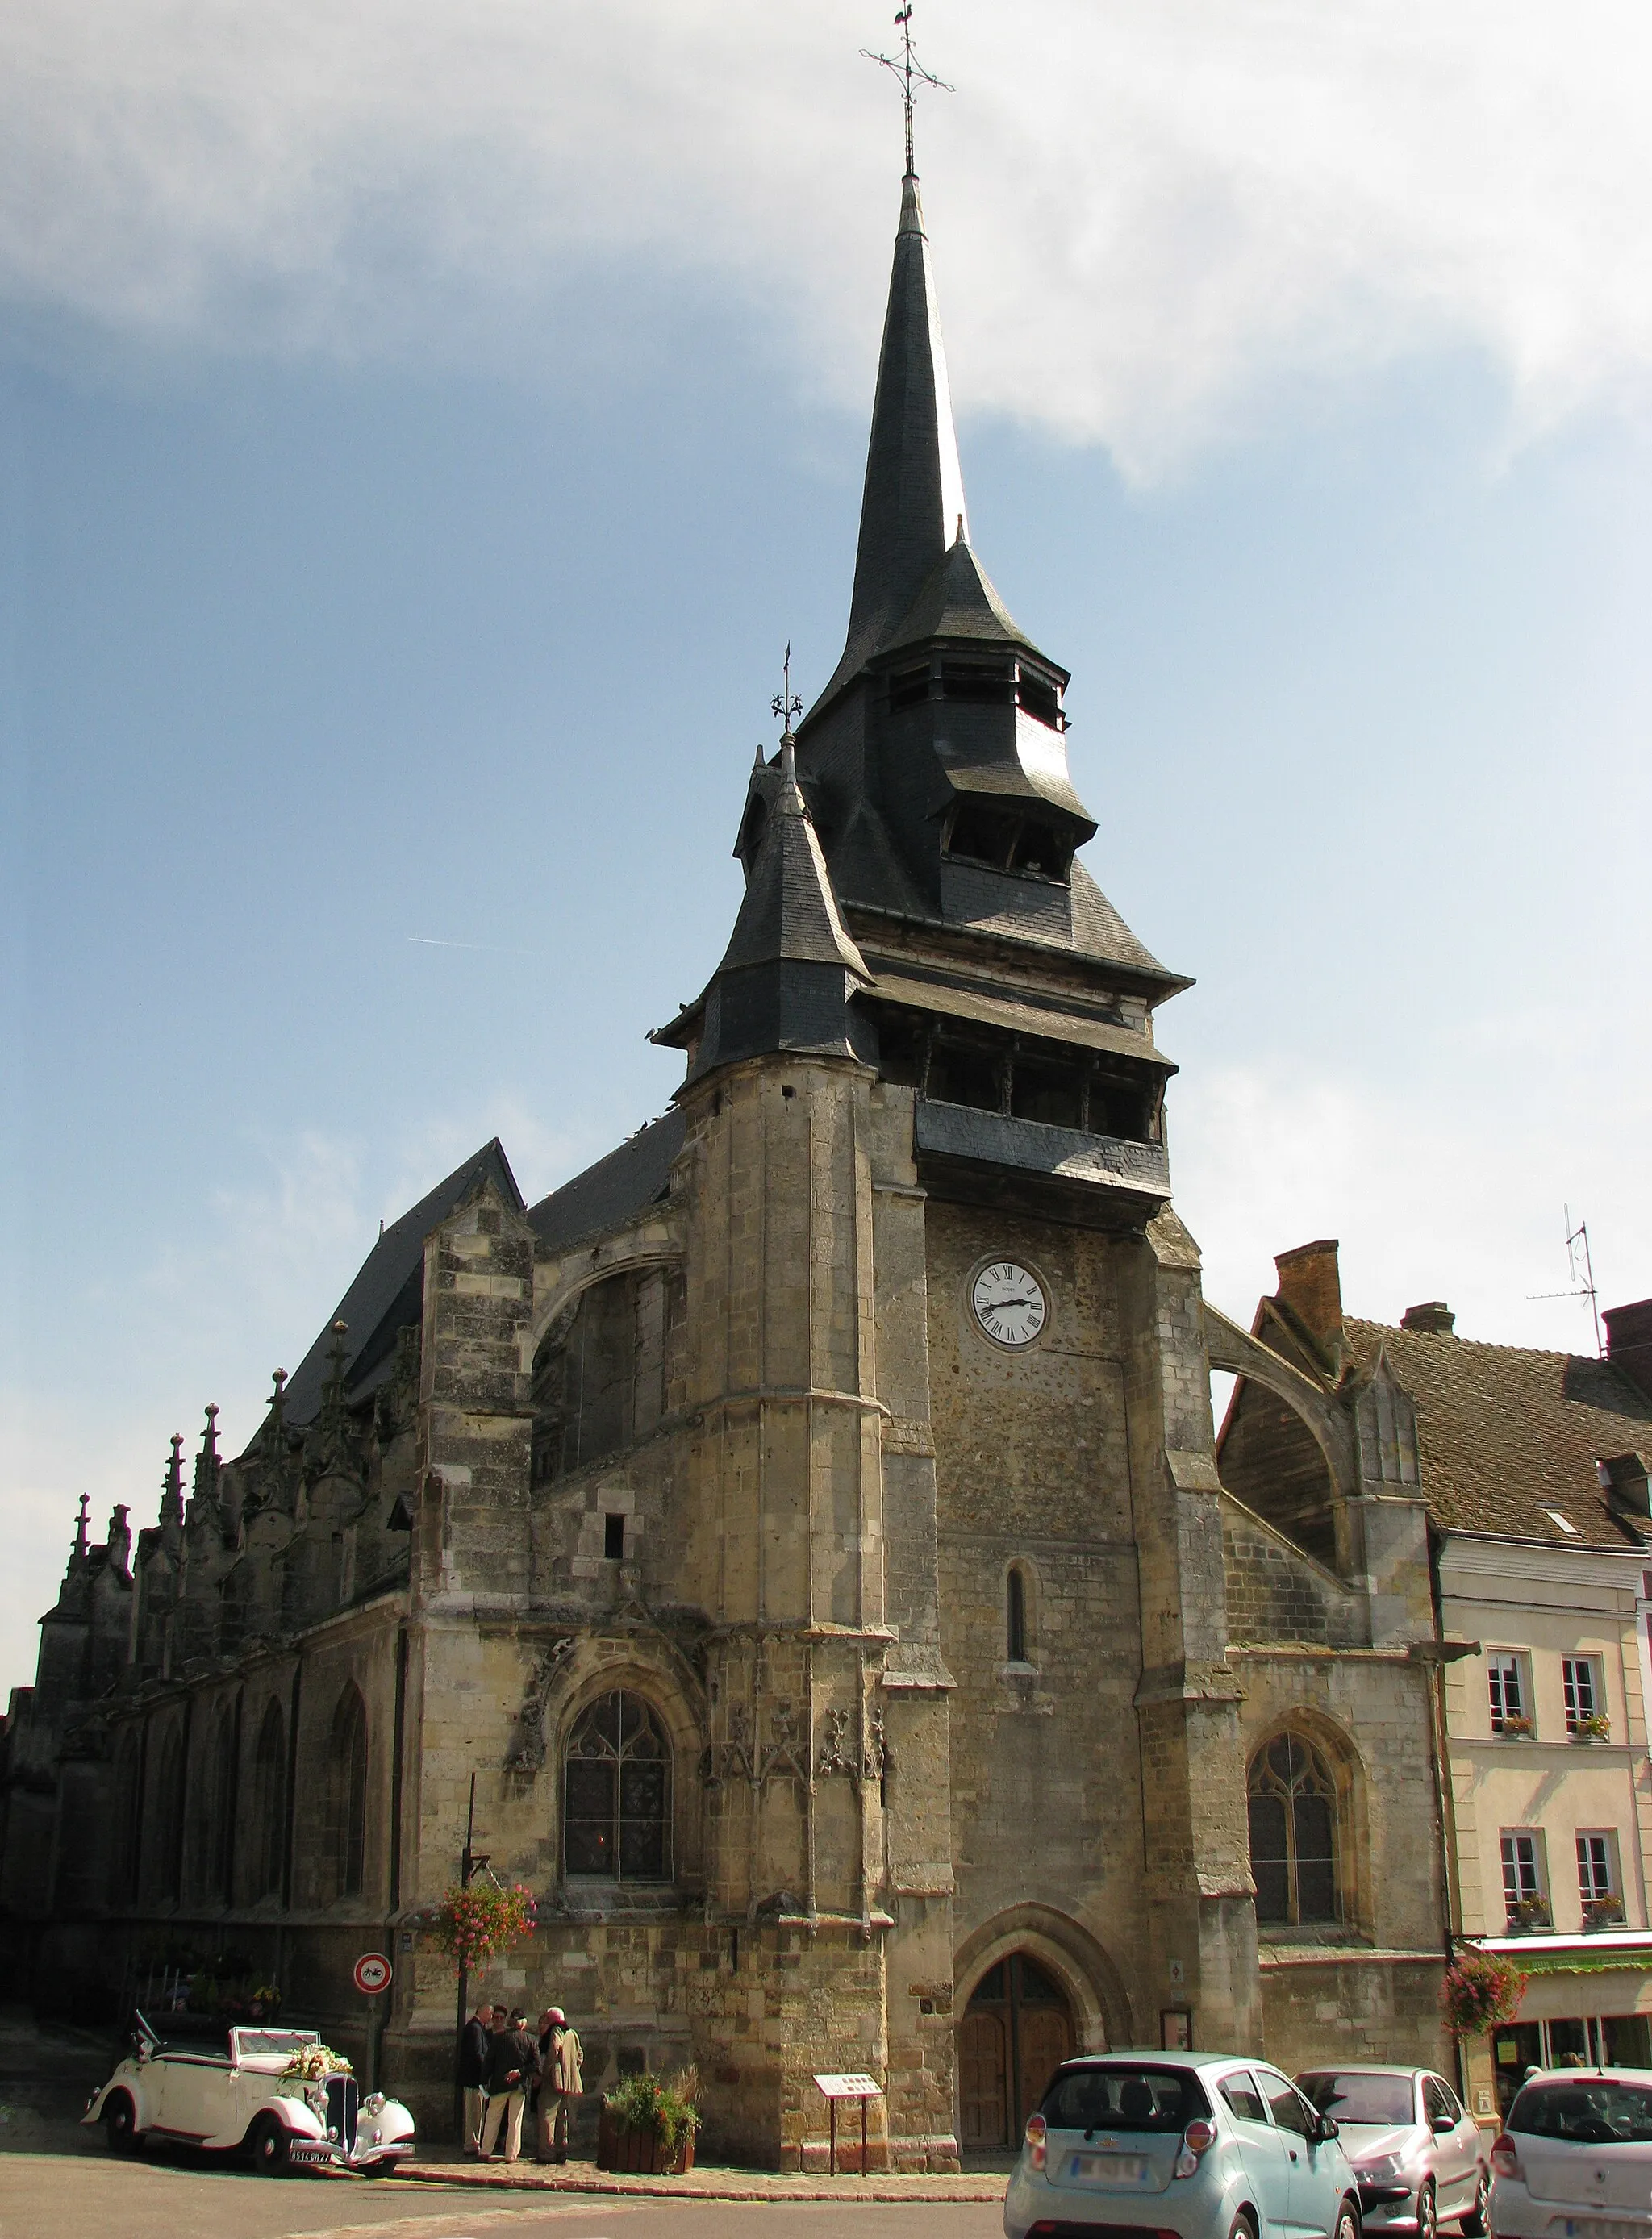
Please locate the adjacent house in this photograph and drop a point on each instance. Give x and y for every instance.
(1532, 1470)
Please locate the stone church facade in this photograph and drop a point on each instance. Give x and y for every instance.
(804, 1528)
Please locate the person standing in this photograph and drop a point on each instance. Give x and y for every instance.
(510, 2072)
(476, 2045)
(561, 2078)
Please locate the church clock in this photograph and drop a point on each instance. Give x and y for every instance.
(1009, 1303)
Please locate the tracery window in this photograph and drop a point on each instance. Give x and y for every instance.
(269, 1803)
(1293, 1834)
(347, 1795)
(616, 1792)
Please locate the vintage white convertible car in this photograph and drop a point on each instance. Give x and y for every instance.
(278, 2093)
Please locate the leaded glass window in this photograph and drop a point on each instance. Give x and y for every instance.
(616, 1792)
(1293, 1821)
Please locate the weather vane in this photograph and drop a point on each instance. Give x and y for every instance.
(782, 703)
(910, 73)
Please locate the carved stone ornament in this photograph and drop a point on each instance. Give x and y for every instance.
(528, 1750)
(786, 1752)
(837, 1751)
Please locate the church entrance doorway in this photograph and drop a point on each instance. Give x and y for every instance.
(1017, 2030)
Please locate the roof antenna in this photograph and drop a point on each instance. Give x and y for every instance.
(1581, 1267)
(910, 73)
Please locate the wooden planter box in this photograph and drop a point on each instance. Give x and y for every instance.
(639, 2153)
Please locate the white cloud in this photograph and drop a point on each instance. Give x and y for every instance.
(1148, 215)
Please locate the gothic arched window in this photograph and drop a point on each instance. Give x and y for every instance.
(616, 1792)
(269, 1803)
(347, 1795)
(169, 1813)
(1293, 1833)
(129, 1820)
(219, 1860)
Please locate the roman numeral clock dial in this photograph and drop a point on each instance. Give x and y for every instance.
(1009, 1302)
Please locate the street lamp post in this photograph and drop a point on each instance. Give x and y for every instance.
(469, 1865)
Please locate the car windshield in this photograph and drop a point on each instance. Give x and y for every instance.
(1133, 2098)
(255, 2043)
(1597, 2113)
(1351, 2097)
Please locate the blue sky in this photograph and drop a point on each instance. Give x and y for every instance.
(416, 452)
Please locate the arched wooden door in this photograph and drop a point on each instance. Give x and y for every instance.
(1017, 2030)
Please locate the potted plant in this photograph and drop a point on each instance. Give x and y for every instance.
(1602, 1912)
(1596, 1727)
(1527, 1913)
(1483, 1992)
(648, 2123)
(1517, 1726)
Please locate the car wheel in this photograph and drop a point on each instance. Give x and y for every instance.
(1242, 2226)
(120, 2124)
(1474, 2224)
(380, 2169)
(267, 2141)
(1428, 2221)
(1348, 2221)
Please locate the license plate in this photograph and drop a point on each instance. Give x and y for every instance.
(1113, 2169)
(1602, 2227)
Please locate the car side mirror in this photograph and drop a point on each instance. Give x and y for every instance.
(1443, 2125)
(1326, 2127)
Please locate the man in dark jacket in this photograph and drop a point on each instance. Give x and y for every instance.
(476, 2046)
(511, 2075)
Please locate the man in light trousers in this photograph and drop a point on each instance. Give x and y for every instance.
(561, 2078)
(514, 2057)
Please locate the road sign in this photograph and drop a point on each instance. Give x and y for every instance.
(848, 2086)
(373, 1972)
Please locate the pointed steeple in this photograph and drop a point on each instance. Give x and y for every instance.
(912, 507)
(790, 966)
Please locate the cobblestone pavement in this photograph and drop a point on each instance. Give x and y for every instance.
(149, 2198)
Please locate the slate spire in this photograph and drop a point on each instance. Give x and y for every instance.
(912, 507)
(790, 966)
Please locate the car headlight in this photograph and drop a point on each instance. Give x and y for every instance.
(1382, 2168)
(374, 2103)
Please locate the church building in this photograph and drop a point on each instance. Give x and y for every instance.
(802, 1533)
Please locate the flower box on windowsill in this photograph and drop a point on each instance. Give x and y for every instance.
(1513, 1728)
(1529, 1917)
(1602, 1912)
(1595, 1728)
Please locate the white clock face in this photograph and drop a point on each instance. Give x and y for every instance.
(1009, 1303)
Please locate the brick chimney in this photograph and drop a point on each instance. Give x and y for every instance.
(1628, 1341)
(1433, 1316)
(1311, 1287)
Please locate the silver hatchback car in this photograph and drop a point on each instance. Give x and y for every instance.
(1575, 2157)
(1417, 2152)
(1179, 2145)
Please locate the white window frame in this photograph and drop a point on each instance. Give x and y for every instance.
(1591, 1671)
(1508, 1671)
(1597, 1856)
(1509, 1840)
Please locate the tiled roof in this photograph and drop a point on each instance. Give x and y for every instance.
(1505, 1435)
(635, 1175)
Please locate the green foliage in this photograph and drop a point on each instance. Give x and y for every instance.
(1483, 1992)
(662, 2104)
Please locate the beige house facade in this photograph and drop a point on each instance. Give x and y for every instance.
(1550, 1792)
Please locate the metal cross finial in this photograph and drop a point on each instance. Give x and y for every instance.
(783, 703)
(910, 73)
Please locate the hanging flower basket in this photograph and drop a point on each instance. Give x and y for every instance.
(473, 1925)
(1483, 1992)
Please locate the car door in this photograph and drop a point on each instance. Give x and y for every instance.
(197, 2095)
(1456, 2151)
(1316, 2169)
(1264, 2148)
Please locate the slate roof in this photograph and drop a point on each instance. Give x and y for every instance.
(959, 601)
(913, 499)
(788, 909)
(388, 1292)
(636, 1175)
(1504, 1434)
